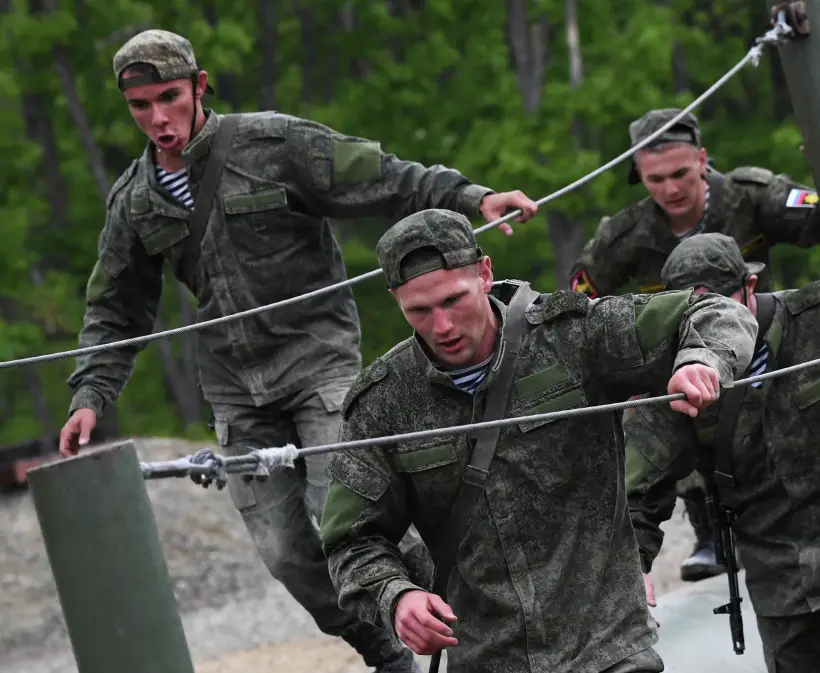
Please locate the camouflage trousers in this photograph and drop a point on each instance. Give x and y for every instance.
(791, 644)
(282, 514)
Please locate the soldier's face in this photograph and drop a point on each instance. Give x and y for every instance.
(673, 176)
(164, 111)
(450, 311)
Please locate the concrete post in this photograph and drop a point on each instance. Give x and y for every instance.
(108, 564)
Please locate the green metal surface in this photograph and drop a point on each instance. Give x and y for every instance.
(801, 65)
(107, 560)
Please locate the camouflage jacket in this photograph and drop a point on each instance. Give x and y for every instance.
(545, 577)
(755, 207)
(267, 239)
(775, 462)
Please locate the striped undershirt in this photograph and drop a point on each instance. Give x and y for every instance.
(177, 185)
(470, 378)
(759, 362)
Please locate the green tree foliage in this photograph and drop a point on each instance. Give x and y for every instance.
(503, 91)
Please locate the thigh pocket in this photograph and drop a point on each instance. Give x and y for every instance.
(241, 493)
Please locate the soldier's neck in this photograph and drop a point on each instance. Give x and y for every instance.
(171, 162)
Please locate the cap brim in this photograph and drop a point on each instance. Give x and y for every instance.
(209, 89)
(755, 268)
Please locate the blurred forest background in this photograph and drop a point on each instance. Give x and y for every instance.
(517, 94)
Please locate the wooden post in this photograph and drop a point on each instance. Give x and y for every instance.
(801, 65)
(107, 560)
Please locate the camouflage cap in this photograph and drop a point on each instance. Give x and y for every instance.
(709, 260)
(171, 55)
(448, 236)
(686, 130)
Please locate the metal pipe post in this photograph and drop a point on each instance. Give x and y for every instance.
(800, 58)
(107, 560)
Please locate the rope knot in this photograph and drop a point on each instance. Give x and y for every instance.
(214, 469)
(268, 460)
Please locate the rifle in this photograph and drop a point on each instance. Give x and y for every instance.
(722, 518)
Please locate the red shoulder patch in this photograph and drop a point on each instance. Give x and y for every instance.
(581, 283)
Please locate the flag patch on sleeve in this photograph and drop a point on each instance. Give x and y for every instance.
(801, 198)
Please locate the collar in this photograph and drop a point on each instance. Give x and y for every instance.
(201, 143)
(437, 377)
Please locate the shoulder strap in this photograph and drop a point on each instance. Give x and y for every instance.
(203, 203)
(478, 469)
(733, 402)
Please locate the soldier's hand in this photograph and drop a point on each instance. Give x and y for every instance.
(649, 588)
(496, 206)
(77, 431)
(700, 384)
(419, 627)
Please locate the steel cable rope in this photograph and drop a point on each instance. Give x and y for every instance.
(206, 467)
(775, 35)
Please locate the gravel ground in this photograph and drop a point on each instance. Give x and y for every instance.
(236, 617)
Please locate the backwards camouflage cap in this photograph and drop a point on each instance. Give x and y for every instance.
(171, 55)
(710, 260)
(448, 235)
(686, 130)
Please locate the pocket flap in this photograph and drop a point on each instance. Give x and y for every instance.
(426, 457)
(807, 393)
(169, 234)
(571, 399)
(264, 199)
(361, 478)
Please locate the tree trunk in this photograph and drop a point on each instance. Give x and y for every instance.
(359, 67)
(307, 19)
(225, 83)
(185, 398)
(266, 45)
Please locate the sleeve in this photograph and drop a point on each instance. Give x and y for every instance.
(122, 298)
(602, 269)
(364, 519)
(348, 177)
(660, 450)
(636, 342)
(788, 212)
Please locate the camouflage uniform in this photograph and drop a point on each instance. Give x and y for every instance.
(545, 577)
(776, 465)
(274, 377)
(755, 207)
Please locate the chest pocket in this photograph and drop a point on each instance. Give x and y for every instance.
(252, 218)
(544, 446)
(432, 473)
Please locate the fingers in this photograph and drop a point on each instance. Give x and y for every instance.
(521, 201)
(86, 426)
(649, 587)
(68, 438)
(506, 228)
(424, 634)
(419, 628)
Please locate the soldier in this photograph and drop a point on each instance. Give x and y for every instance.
(686, 196)
(274, 377)
(543, 556)
(763, 458)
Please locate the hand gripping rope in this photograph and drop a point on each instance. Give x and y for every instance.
(778, 34)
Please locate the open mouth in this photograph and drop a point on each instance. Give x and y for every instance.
(450, 345)
(166, 140)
